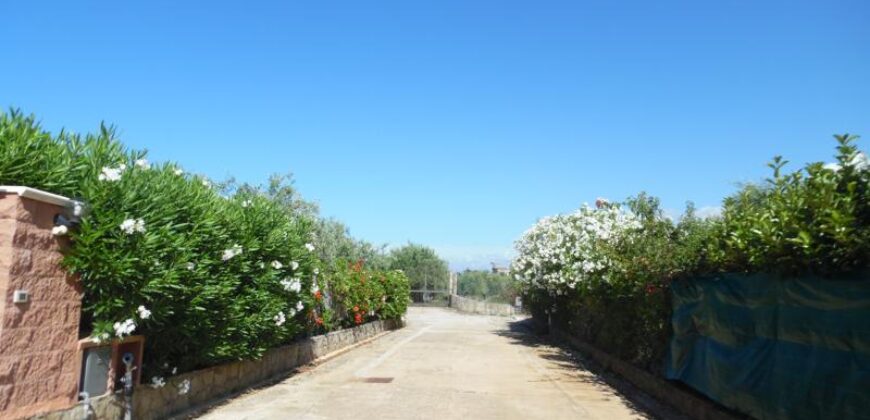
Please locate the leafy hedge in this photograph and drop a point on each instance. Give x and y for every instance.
(362, 295)
(207, 278)
(604, 272)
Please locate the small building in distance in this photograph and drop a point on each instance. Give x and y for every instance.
(496, 269)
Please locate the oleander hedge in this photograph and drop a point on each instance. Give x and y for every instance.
(604, 272)
(206, 275)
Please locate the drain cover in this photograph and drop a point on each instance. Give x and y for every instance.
(377, 380)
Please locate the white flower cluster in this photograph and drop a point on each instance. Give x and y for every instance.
(157, 382)
(101, 338)
(563, 251)
(231, 252)
(280, 319)
(131, 226)
(144, 313)
(309, 247)
(184, 387)
(124, 328)
(59, 230)
(859, 161)
(142, 163)
(112, 174)
(277, 265)
(292, 285)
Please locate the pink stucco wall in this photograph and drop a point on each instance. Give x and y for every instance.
(38, 340)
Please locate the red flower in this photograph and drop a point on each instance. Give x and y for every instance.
(651, 289)
(318, 321)
(357, 319)
(356, 308)
(318, 295)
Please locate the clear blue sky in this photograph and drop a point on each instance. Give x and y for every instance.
(454, 123)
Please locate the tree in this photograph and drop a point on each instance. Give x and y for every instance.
(334, 243)
(425, 270)
(486, 285)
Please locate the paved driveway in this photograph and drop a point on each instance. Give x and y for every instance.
(444, 365)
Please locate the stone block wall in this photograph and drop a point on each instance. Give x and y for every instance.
(38, 339)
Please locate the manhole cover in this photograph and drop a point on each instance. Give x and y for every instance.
(377, 380)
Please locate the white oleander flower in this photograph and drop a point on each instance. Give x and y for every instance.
(206, 184)
(309, 247)
(232, 252)
(59, 230)
(859, 161)
(158, 382)
(131, 226)
(144, 313)
(292, 285)
(111, 174)
(178, 172)
(184, 387)
(190, 266)
(277, 265)
(78, 209)
(124, 328)
(142, 163)
(247, 203)
(832, 167)
(280, 319)
(101, 338)
(294, 265)
(299, 306)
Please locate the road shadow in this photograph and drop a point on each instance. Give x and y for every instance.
(576, 367)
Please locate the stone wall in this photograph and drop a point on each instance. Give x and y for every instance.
(212, 384)
(38, 339)
(473, 306)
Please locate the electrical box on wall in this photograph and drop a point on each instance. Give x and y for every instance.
(20, 296)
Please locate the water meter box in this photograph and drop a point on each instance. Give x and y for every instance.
(102, 365)
(96, 363)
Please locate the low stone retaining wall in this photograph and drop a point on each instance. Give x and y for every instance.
(210, 384)
(687, 402)
(473, 306)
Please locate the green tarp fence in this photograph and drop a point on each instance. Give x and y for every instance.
(773, 348)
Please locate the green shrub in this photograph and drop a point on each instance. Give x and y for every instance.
(206, 278)
(605, 273)
(359, 295)
(816, 220)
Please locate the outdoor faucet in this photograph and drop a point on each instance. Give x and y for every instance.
(128, 385)
(86, 405)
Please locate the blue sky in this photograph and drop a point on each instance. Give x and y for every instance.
(455, 124)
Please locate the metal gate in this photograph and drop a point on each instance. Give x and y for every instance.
(430, 297)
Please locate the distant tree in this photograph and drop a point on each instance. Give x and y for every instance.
(425, 270)
(333, 242)
(486, 285)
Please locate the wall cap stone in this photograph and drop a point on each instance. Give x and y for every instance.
(38, 195)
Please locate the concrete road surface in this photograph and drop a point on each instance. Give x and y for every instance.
(443, 365)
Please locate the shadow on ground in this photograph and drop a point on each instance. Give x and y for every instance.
(582, 369)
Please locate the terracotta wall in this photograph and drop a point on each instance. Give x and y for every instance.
(38, 339)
